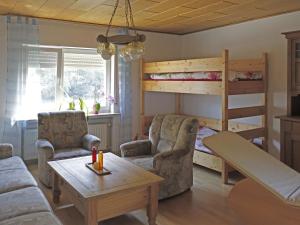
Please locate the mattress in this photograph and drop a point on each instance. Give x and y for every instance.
(206, 76)
(201, 134)
(206, 132)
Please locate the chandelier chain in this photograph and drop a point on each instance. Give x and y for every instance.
(112, 16)
(129, 19)
(126, 15)
(131, 16)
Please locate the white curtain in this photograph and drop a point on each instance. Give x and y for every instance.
(125, 100)
(125, 96)
(19, 32)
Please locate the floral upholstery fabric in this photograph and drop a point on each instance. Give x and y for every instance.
(62, 129)
(61, 135)
(23, 201)
(6, 151)
(12, 163)
(40, 218)
(15, 179)
(170, 151)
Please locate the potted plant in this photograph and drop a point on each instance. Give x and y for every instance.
(71, 105)
(96, 108)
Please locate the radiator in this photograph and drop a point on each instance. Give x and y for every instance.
(28, 144)
(101, 131)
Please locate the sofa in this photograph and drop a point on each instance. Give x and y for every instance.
(168, 152)
(21, 201)
(62, 135)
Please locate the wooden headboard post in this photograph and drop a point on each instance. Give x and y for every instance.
(265, 100)
(225, 78)
(142, 100)
(177, 103)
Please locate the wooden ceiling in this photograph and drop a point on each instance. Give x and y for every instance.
(169, 16)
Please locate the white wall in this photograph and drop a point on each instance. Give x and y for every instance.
(246, 40)
(158, 47)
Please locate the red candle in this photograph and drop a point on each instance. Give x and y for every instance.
(94, 154)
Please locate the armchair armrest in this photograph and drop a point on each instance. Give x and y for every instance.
(89, 141)
(45, 147)
(136, 148)
(6, 151)
(172, 156)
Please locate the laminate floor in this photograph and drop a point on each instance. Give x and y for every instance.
(204, 204)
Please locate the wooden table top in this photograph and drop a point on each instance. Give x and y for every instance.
(124, 175)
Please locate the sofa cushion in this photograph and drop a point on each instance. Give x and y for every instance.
(11, 180)
(12, 163)
(40, 218)
(70, 153)
(144, 161)
(22, 201)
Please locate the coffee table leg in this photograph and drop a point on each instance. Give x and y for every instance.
(91, 213)
(55, 189)
(153, 204)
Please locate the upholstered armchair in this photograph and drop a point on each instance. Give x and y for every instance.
(62, 135)
(168, 152)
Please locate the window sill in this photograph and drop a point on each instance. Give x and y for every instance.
(102, 115)
(32, 123)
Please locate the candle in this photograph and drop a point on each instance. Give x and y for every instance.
(100, 160)
(94, 154)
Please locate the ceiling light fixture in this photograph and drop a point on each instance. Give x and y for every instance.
(134, 48)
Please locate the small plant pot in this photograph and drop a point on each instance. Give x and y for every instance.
(96, 108)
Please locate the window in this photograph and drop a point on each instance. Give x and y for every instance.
(56, 77)
(85, 77)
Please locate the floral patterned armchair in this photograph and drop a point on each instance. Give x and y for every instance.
(62, 135)
(168, 152)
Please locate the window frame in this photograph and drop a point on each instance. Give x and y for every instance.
(59, 95)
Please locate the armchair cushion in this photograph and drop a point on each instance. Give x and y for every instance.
(89, 141)
(6, 151)
(66, 153)
(136, 148)
(144, 161)
(170, 156)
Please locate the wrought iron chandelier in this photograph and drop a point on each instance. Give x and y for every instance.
(134, 46)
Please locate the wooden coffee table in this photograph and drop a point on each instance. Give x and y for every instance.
(127, 188)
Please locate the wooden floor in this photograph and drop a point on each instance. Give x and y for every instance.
(205, 204)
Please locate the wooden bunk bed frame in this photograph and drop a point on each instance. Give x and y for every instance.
(223, 88)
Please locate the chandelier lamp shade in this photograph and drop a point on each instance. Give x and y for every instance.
(132, 41)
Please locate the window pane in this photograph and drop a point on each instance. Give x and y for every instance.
(40, 83)
(85, 77)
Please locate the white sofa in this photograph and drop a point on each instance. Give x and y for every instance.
(21, 201)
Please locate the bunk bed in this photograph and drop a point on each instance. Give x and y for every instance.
(212, 76)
